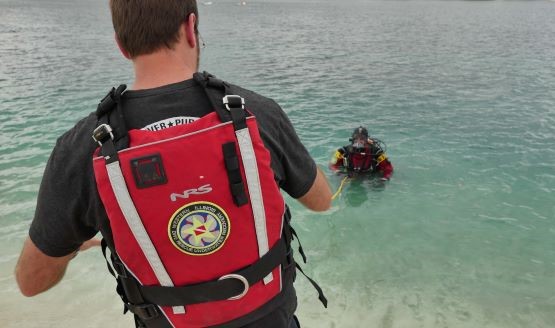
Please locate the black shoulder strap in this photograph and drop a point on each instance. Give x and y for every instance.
(111, 132)
(209, 82)
(231, 108)
(108, 103)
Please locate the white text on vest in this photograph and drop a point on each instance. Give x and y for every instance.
(204, 189)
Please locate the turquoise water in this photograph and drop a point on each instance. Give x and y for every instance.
(463, 93)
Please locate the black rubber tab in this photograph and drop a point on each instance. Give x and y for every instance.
(236, 185)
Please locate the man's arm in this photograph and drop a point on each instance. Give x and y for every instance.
(37, 272)
(318, 197)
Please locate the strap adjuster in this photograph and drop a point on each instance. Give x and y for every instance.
(102, 133)
(144, 311)
(241, 279)
(233, 101)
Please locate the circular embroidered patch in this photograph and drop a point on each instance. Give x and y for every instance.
(199, 228)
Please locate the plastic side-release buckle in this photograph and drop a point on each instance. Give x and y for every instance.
(102, 133)
(144, 311)
(233, 101)
(241, 279)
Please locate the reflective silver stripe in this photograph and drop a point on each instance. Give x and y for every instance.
(137, 228)
(255, 192)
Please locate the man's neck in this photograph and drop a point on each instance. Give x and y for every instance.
(162, 68)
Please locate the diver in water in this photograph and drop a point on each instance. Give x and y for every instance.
(363, 155)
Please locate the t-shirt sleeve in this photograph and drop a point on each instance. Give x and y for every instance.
(298, 166)
(64, 216)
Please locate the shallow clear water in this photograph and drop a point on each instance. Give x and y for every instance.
(463, 94)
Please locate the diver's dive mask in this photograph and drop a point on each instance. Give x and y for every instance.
(359, 139)
(359, 145)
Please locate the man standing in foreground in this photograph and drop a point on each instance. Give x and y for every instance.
(161, 39)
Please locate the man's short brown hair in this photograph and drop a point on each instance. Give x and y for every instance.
(144, 26)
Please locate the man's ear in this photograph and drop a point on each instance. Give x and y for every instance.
(190, 30)
(124, 52)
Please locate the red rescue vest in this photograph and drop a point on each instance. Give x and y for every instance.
(172, 201)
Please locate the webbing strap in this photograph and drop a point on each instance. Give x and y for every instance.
(110, 115)
(105, 138)
(321, 295)
(238, 115)
(104, 246)
(127, 289)
(206, 81)
(217, 290)
(138, 230)
(301, 251)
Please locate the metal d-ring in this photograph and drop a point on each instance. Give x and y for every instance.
(241, 279)
(225, 100)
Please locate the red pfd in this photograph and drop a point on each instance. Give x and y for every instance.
(196, 218)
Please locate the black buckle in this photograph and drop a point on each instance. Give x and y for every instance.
(102, 133)
(144, 311)
(233, 101)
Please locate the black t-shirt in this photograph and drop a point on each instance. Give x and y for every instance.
(69, 208)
